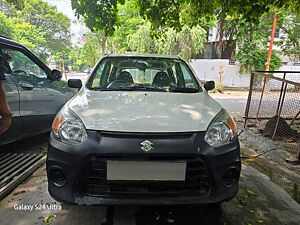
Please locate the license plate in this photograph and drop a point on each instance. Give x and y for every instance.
(143, 170)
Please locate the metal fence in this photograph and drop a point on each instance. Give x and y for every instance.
(273, 104)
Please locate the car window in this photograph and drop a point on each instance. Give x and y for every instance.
(96, 81)
(20, 64)
(138, 73)
(189, 82)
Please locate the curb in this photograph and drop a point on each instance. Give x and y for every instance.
(278, 173)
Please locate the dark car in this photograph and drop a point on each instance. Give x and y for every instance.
(35, 93)
(143, 130)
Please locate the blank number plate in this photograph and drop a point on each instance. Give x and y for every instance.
(144, 170)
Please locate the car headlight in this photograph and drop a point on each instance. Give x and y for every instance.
(221, 130)
(68, 128)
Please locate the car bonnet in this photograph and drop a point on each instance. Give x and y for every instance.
(139, 111)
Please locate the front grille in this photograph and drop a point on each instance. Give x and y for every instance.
(94, 182)
(143, 136)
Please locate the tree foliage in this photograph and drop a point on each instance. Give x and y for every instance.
(91, 50)
(99, 15)
(6, 25)
(29, 35)
(54, 25)
(19, 4)
(7, 8)
(290, 42)
(128, 23)
(186, 43)
(255, 60)
(252, 39)
(173, 27)
(25, 33)
(168, 13)
(141, 41)
(103, 14)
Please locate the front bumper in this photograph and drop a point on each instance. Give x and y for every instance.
(81, 165)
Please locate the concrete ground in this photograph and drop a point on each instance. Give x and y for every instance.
(259, 201)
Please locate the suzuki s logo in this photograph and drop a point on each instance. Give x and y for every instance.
(147, 146)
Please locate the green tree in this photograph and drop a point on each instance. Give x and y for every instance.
(25, 33)
(255, 60)
(141, 41)
(29, 35)
(290, 40)
(166, 13)
(252, 40)
(102, 15)
(74, 60)
(91, 50)
(6, 25)
(54, 25)
(186, 43)
(7, 8)
(128, 23)
(99, 15)
(19, 4)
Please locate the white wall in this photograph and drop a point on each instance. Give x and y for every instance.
(209, 69)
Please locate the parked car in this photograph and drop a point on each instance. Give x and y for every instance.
(143, 130)
(35, 93)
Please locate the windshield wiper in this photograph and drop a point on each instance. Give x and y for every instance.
(185, 90)
(147, 88)
(98, 88)
(134, 88)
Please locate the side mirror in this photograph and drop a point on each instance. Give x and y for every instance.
(74, 83)
(209, 85)
(55, 75)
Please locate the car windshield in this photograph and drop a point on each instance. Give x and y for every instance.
(143, 74)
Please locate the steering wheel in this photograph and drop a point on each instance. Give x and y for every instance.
(21, 71)
(118, 84)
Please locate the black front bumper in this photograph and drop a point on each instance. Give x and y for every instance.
(84, 169)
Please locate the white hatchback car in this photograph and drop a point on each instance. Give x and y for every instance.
(143, 130)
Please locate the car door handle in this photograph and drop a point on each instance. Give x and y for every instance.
(26, 85)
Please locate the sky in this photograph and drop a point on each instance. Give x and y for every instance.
(78, 29)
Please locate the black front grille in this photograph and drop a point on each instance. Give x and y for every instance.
(95, 183)
(143, 136)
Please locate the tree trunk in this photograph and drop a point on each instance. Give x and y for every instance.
(103, 45)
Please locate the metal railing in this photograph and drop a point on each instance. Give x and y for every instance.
(273, 104)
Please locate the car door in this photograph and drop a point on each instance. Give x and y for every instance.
(40, 99)
(12, 95)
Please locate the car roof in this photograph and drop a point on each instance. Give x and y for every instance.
(6, 40)
(133, 55)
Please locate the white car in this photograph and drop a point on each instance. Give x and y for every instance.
(143, 130)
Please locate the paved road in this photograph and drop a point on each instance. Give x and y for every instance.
(234, 102)
(81, 76)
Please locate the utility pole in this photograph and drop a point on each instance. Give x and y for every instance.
(271, 42)
(265, 80)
